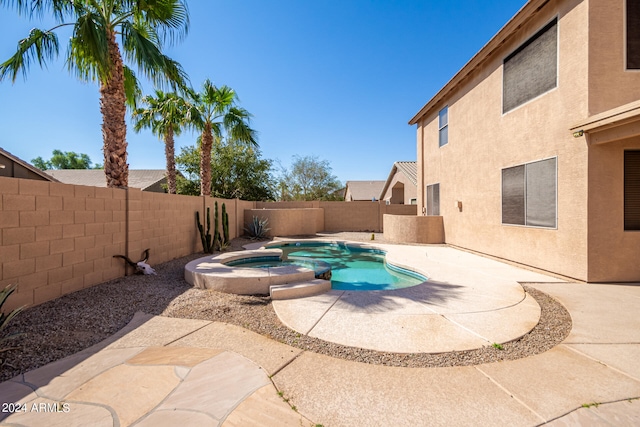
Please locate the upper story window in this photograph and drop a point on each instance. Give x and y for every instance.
(443, 126)
(532, 69)
(529, 194)
(633, 34)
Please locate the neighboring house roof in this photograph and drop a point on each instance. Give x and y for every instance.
(524, 15)
(15, 167)
(138, 178)
(409, 169)
(363, 190)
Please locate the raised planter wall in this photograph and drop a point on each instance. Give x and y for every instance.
(413, 229)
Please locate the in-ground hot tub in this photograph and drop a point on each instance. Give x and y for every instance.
(235, 272)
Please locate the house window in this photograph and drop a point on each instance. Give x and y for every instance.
(633, 34)
(443, 126)
(532, 69)
(433, 199)
(529, 194)
(632, 190)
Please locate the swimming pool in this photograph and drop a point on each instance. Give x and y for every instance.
(352, 268)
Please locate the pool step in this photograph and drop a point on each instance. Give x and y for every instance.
(300, 289)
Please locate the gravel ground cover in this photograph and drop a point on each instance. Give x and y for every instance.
(64, 326)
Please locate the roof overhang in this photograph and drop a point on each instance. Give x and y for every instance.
(524, 15)
(610, 126)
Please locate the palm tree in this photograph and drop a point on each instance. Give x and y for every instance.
(218, 114)
(94, 55)
(166, 115)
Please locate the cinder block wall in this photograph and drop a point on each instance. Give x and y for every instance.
(347, 216)
(58, 238)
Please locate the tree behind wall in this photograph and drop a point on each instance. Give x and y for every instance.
(309, 179)
(237, 171)
(65, 160)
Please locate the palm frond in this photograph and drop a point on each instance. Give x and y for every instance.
(145, 53)
(132, 89)
(169, 17)
(40, 46)
(237, 122)
(88, 54)
(39, 8)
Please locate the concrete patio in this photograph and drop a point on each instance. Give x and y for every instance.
(165, 371)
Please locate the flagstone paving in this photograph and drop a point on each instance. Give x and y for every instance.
(161, 371)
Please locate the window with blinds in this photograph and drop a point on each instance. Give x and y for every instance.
(433, 199)
(529, 194)
(632, 190)
(633, 34)
(532, 69)
(443, 126)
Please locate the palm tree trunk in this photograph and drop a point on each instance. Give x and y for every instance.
(114, 128)
(205, 160)
(169, 151)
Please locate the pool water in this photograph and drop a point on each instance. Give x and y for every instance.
(353, 268)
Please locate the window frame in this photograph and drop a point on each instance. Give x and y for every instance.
(625, 38)
(624, 192)
(429, 207)
(555, 227)
(442, 127)
(545, 27)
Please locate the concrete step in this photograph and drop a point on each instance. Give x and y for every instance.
(300, 289)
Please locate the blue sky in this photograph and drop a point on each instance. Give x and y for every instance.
(338, 79)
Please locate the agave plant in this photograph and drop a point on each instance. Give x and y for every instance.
(257, 228)
(6, 318)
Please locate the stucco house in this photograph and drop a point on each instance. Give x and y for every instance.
(362, 190)
(531, 152)
(401, 185)
(14, 167)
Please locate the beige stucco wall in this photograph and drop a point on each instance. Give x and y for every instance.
(483, 141)
(413, 229)
(613, 252)
(610, 84)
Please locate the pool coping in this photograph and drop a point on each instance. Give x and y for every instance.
(212, 272)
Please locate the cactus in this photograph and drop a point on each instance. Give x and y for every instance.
(216, 232)
(205, 235)
(225, 225)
